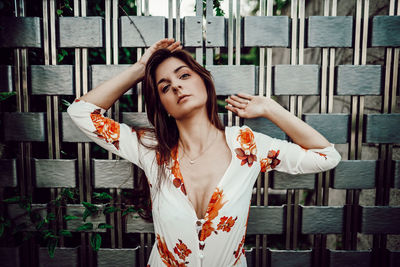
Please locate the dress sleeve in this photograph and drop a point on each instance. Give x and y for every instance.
(115, 137)
(284, 156)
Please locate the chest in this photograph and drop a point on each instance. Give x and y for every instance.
(202, 177)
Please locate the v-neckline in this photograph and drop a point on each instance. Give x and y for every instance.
(216, 187)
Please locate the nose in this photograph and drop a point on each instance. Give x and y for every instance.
(176, 88)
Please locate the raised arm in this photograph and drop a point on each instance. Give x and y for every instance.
(247, 106)
(108, 92)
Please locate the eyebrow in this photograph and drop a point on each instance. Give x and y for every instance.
(175, 71)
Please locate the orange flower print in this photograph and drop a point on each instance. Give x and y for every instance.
(166, 256)
(106, 128)
(225, 223)
(213, 208)
(77, 100)
(322, 155)
(206, 230)
(240, 250)
(247, 152)
(182, 250)
(178, 180)
(271, 161)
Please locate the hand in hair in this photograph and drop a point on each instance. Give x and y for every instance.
(163, 43)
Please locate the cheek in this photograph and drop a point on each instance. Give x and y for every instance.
(166, 101)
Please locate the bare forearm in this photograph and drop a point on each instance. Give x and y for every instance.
(300, 132)
(108, 92)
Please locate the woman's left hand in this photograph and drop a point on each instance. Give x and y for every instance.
(248, 106)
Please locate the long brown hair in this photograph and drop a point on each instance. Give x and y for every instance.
(165, 130)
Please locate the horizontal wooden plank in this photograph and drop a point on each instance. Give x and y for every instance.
(258, 217)
(192, 31)
(330, 31)
(52, 79)
(216, 31)
(20, 32)
(80, 31)
(382, 128)
(265, 126)
(386, 31)
(396, 173)
(6, 78)
(281, 180)
(151, 28)
(335, 127)
(355, 174)
(24, 126)
(8, 173)
(380, 220)
(340, 258)
(321, 219)
(126, 257)
(290, 258)
(63, 257)
(359, 80)
(55, 173)
(104, 174)
(296, 79)
(266, 31)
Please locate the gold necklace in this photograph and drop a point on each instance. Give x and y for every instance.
(192, 161)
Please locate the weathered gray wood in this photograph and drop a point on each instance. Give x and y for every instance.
(63, 257)
(20, 32)
(296, 80)
(321, 219)
(151, 28)
(340, 258)
(266, 31)
(70, 132)
(335, 127)
(266, 220)
(233, 79)
(10, 256)
(24, 126)
(281, 180)
(102, 73)
(359, 80)
(104, 174)
(355, 174)
(8, 173)
(396, 164)
(52, 173)
(52, 79)
(121, 257)
(290, 258)
(265, 126)
(382, 128)
(136, 224)
(81, 31)
(20, 215)
(137, 119)
(330, 31)
(386, 31)
(380, 220)
(6, 78)
(193, 32)
(77, 210)
(216, 32)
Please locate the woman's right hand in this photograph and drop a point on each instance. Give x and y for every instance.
(163, 43)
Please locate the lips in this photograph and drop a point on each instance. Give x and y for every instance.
(182, 97)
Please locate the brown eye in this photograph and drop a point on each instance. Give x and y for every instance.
(165, 88)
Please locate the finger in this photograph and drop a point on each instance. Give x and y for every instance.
(246, 96)
(235, 103)
(240, 99)
(233, 109)
(178, 48)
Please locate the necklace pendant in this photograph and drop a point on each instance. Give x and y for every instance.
(191, 162)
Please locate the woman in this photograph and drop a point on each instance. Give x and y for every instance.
(200, 174)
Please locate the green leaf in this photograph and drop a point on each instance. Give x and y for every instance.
(48, 234)
(5, 95)
(128, 210)
(40, 224)
(105, 226)
(89, 206)
(86, 226)
(70, 217)
(102, 196)
(86, 214)
(12, 200)
(59, 12)
(51, 246)
(95, 241)
(69, 193)
(110, 209)
(66, 233)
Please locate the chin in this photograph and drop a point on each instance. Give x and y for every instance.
(188, 111)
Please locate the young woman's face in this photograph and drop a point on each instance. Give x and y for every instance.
(181, 90)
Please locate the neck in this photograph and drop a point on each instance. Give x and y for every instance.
(196, 132)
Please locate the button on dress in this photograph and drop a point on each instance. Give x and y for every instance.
(218, 239)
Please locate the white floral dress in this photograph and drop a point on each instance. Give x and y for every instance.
(182, 239)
